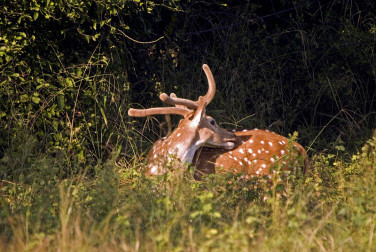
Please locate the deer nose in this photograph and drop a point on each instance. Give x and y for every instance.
(231, 137)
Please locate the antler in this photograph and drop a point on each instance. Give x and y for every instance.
(211, 91)
(183, 106)
(158, 111)
(173, 100)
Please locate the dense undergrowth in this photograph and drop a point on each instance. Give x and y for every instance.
(71, 160)
(332, 208)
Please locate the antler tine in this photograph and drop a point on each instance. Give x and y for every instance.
(211, 91)
(173, 100)
(158, 111)
(173, 95)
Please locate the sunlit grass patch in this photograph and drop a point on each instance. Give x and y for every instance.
(119, 209)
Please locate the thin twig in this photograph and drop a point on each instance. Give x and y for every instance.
(134, 40)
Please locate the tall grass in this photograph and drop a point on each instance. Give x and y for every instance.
(332, 208)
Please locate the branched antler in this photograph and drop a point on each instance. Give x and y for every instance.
(182, 106)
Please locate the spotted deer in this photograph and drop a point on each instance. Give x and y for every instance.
(199, 140)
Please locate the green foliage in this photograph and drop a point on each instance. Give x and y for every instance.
(120, 208)
(56, 78)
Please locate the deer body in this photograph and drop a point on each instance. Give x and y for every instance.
(255, 152)
(199, 140)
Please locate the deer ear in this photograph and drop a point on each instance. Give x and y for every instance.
(198, 115)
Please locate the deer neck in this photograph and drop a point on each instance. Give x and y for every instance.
(180, 145)
(183, 144)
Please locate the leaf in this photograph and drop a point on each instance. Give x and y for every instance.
(60, 101)
(69, 81)
(24, 98)
(104, 116)
(8, 57)
(340, 147)
(42, 86)
(35, 99)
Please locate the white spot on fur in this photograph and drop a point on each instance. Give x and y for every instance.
(250, 150)
(263, 165)
(272, 159)
(270, 143)
(241, 151)
(251, 141)
(154, 170)
(282, 152)
(262, 142)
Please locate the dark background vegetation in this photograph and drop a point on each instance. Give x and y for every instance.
(70, 70)
(69, 73)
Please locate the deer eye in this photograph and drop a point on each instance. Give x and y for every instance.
(212, 122)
